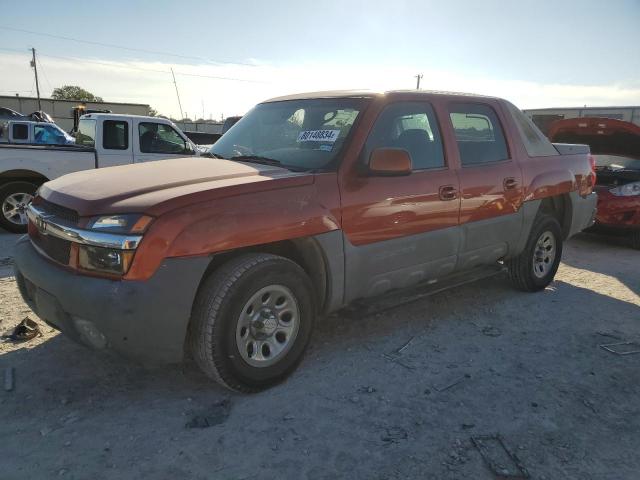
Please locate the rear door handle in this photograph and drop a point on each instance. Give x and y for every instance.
(509, 183)
(448, 192)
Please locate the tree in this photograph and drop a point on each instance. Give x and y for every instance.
(153, 112)
(73, 92)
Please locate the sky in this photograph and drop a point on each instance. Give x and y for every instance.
(228, 56)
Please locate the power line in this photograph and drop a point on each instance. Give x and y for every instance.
(130, 67)
(122, 47)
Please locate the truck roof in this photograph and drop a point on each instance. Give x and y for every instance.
(369, 94)
(121, 116)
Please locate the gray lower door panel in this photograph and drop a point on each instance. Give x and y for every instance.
(378, 267)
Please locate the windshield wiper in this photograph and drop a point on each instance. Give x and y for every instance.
(257, 159)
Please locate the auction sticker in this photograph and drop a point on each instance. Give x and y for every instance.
(329, 136)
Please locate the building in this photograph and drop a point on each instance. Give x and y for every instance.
(544, 117)
(61, 110)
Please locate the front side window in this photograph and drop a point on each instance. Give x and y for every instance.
(86, 135)
(115, 135)
(410, 126)
(160, 138)
(478, 133)
(299, 134)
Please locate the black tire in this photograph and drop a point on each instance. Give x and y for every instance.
(218, 307)
(521, 268)
(7, 190)
(635, 239)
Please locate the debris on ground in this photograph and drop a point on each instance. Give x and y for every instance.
(500, 460)
(398, 351)
(367, 390)
(622, 348)
(491, 331)
(26, 330)
(453, 383)
(394, 435)
(6, 261)
(9, 379)
(214, 415)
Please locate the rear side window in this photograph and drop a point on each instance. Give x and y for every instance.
(86, 135)
(411, 126)
(478, 133)
(20, 131)
(115, 135)
(536, 144)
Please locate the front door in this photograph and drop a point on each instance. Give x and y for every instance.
(159, 141)
(401, 230)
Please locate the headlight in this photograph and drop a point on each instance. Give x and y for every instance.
(105, 260)
(128, 223)
(628, 190)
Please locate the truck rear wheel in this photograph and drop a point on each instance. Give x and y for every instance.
(252, 321)
(538, 263)
(14, 199)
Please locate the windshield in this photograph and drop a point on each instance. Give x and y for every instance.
(299, 134)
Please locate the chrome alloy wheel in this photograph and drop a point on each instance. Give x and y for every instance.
(268, 326)
(14, 208)
(544, 254)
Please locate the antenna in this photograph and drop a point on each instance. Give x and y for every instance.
(418, 78)
(177, 94)
(35, 69)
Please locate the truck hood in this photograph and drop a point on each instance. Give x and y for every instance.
(157, 187)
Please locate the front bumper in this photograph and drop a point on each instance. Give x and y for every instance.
(146, 321)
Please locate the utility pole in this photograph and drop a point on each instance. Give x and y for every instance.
(418, 78)
(35, 69)
(177, 94)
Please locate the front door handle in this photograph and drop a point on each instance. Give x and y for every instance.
(510, 183)
(448, 192)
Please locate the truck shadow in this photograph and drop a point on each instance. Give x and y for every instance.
(497, 340)
(610, 247)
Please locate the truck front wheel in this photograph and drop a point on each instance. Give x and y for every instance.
(252, 320)
(538, 263)
(14, 199)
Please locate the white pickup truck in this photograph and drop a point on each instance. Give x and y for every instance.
(103, 140)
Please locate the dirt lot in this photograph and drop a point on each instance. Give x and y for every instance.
(481, 359)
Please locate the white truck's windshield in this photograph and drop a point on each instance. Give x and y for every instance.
(299, 134)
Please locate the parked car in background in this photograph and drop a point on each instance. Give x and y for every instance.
(309, 203)
(33, 133)
(102, 140)
(615, 146)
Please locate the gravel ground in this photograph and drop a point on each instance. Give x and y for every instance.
(395, 394)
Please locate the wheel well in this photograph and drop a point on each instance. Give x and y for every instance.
(22, 175)
(303, 251)
(560, 207)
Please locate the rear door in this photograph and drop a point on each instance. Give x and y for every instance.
(490, 183)
(401, 230)
(159, 141)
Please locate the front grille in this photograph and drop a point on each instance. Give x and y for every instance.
(55, 248)
(60, 212)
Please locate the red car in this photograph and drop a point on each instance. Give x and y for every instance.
(615, 146)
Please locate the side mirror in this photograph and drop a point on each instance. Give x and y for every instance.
(391, 162)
